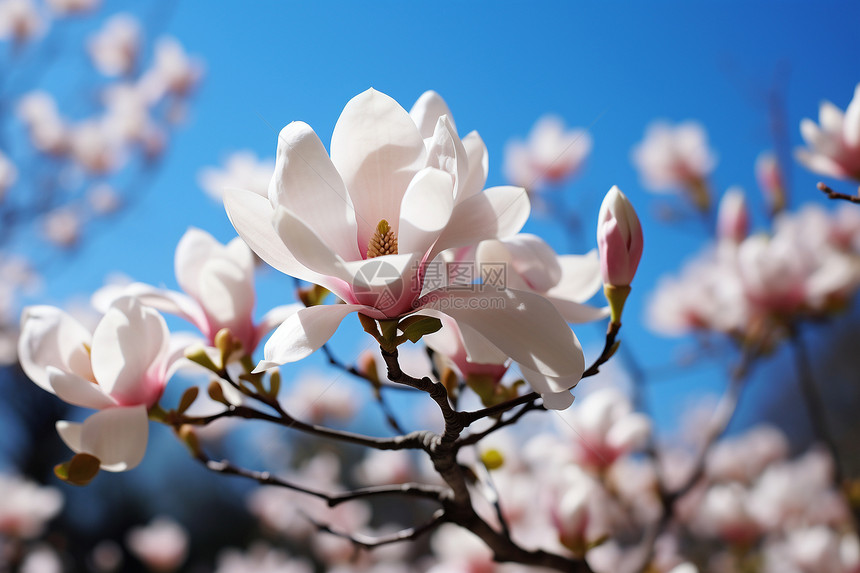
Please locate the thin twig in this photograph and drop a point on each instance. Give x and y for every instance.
(370, 542)
(836, 195)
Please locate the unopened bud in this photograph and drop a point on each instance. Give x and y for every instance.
(197, 354)
(733, 219)
(619, 239)
(216, 392)
(770, 180)
(367, 367)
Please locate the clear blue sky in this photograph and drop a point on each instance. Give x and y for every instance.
(500, 65)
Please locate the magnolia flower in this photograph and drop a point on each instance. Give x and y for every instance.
(95, 146)
(603, 428)
(771, 181)
(19, 20)
(25, 507)
(743, 458)
(62, 227)
(551, 154)
(399, 189)
(833, 147)
(724, 513)
(676, 157)
(162, 545)
(120, 369)
(115, 48)
(172, 71)
(260, 558)
(218, 281)
(733, 218)
(242, 170)
(48, 132)
(127, 117)
(8, 174)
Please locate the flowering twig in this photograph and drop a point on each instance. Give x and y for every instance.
(836, 195)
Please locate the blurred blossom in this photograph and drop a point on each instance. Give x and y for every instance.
(42, 559)
(172, 70)
(107, 556)
(603, 427)
(724, 513)
(95, 146)
(733, 218)
(771, 181)
(742, 458)
(127, 113)
(551, 154)
(318, 398)
(62, 227)
(241, 170)
(833, 145)
(103, 198)
(26, 507)
(385, 467)
(69, 7)
(676, 158)
(20, 20)
(115, 47)
(47, 130)
(162, 545)
(260, 558)
(8, 174)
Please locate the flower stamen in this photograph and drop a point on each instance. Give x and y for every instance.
(383, 241)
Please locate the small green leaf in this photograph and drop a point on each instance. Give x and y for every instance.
(420, 326)
(80, 470)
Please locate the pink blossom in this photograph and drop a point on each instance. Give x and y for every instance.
(833, 145)
(733, 218)
(771, 181)
(114, 49)
(551, 154)
(162, 544)
(619, 239)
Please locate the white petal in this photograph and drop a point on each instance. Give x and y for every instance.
(70, 433)
(275, 317)
(75, 390)
(193, 250)
(479, 166)
(51, 337)
(127, 342)
(851, 128)
(162, 300)
(306, 183)
(496, 213)
(578, 313)
(303, 333)
(378, 150)
(252, 216)
(830, 117)
(116, 436)
(445, 151)
(629, 432)
(426, 209)
(521, 324)
(427, 111)
(580, 277)
(226, 293)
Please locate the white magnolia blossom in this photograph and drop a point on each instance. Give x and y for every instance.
(115, 48)
(62, 226)
(26, 507)
(833, 145)
(20, 20)
(162, 544)
(173, 71)
(120, 369)
(551, 154)
(8, 174)
(47, 130)
(674, 157)
(218, 285)
(398, 189)
(241, 170)
(743, 458)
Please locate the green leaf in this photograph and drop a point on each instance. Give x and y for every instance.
(80, 470)
(420, 326)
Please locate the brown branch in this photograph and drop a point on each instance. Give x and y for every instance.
(369, 542)
(836, 195)
(499, 424)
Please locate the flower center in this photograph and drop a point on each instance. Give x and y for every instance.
(383, 241)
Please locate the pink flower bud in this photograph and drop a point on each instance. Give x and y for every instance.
(769, 176)
(619, 239)
(733, 219)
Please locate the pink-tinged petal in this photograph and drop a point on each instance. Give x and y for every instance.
(489, 255)
(307, 183)
(526, 255)
(303, 333)
(390, 284)
(629, 432)
(427, 206)
(427, 111)
(226, 293)
(521, 324)
(70, 433)
(116, 436)
(51, 337)
(174, 359)
(821, 164)
(496, 213)
(193, 250)
(830, 117)
(619, 239)
(580, 277)
(555, 392)
(312, 252)
(275, 317)
(75, 390)
(252, 216)
(479, 166)
(128, 344)
(851, 128)
(445, 151)
(811, 133)
(377, 149)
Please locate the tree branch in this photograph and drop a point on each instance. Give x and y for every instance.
(836, 195)
(369, 542)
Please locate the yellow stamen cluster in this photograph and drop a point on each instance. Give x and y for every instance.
(383, 241)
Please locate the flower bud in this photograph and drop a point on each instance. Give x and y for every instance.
(619, 239)
(733, 219)
(770, 179)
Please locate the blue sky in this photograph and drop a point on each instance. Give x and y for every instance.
(500, 65)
